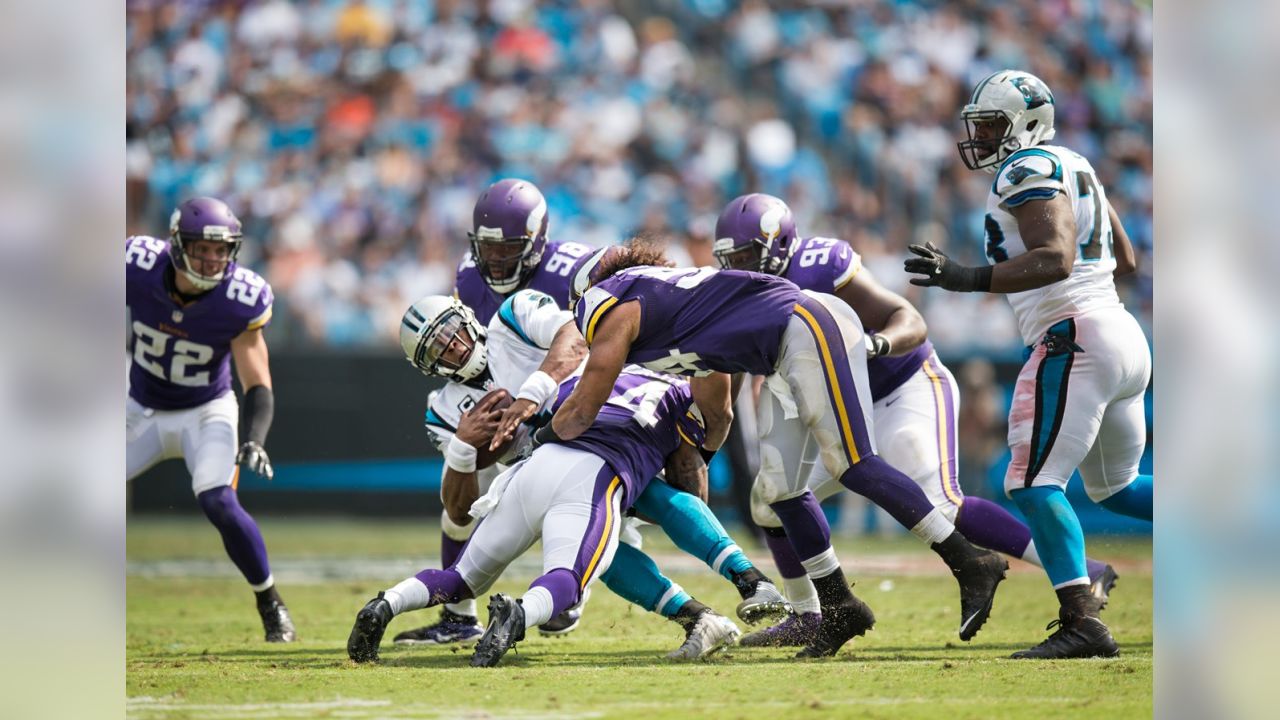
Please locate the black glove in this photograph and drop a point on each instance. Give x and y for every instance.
(255, 457)
(941, 271)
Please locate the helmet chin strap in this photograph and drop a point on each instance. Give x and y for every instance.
(201, 282)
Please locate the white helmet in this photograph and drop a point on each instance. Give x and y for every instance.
(1020, 98)
(430, 325)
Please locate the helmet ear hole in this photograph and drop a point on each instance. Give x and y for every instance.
(1032, 125)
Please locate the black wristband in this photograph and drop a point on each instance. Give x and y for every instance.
(259, 409)
(546, 434)
(706, 454)
(974, 279)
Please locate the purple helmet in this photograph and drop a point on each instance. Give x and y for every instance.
(509, 233)
(755, 232)
(195, 221)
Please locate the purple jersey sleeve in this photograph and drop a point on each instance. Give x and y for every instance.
(822, 265)
(695, 321)
(552, 276)
(181, 354)
(647, 417)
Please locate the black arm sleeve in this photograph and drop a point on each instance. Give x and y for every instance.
(257, 413)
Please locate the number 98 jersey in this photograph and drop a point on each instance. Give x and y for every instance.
(1040, 173)
(181, 354)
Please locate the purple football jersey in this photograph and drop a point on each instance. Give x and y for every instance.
(553, 277)
(694, 321)
(182, 354)
(646, 418)
(827, 264)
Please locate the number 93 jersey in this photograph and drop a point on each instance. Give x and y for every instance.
(1040, 173)
(181, 354)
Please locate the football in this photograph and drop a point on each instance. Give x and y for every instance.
(500, 398)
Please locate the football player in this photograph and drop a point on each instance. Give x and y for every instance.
(709, 324)
(527, 349)
(915, 404)
(510, 251)
(1055, 244)
(191, 310)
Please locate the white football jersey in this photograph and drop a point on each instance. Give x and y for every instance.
(519, 335)
(1040, 173)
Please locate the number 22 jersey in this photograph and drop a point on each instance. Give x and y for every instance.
(181, 353)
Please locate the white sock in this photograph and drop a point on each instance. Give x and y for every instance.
(265, 584)
(822, 565)
(466, 607)
(802, 594)
(1031, 556)
(934, 527)
(408, 594)
(538, 605)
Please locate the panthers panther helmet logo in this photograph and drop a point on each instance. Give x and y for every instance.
(1033, 90)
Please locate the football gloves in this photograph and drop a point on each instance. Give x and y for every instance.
(255, 458)
(941, 271)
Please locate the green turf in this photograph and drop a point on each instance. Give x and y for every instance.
(194, 646)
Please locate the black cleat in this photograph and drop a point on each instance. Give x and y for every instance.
(506, 628)
(366, 634)
(276, 621)
(451, 629)
(978, 577)
(1078, 637)
(562, 624)
(839, 625)
(1100, 587)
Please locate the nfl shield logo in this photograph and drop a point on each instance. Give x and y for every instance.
(177, 316)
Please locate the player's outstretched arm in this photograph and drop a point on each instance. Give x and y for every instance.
(566, 353)
(613, 338)
(1126, 258)
(901, 326)
(253, 367)
(711, 393)
(1048, 230)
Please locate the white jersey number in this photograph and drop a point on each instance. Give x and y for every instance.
(149, 347)
(683, 278)
(143, 252)
(642, 401)
(245, 286)
(817, 255)
(562, 262)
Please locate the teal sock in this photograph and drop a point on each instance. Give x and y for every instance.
(634, 577)
(1056, 532)
(1136, 500)
(693, 528)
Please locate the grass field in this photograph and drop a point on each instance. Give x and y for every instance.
(194, 646)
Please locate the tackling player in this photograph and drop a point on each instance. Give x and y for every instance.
(527, 349)
(709, 324)
(191, 310)
(915, 404)
(510, 251)
(1055, 245)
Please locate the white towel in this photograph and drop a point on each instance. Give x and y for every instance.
(487, 502)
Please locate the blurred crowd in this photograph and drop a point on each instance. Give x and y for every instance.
(352, 136)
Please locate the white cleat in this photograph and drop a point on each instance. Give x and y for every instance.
(764, 603)
(709, 634)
